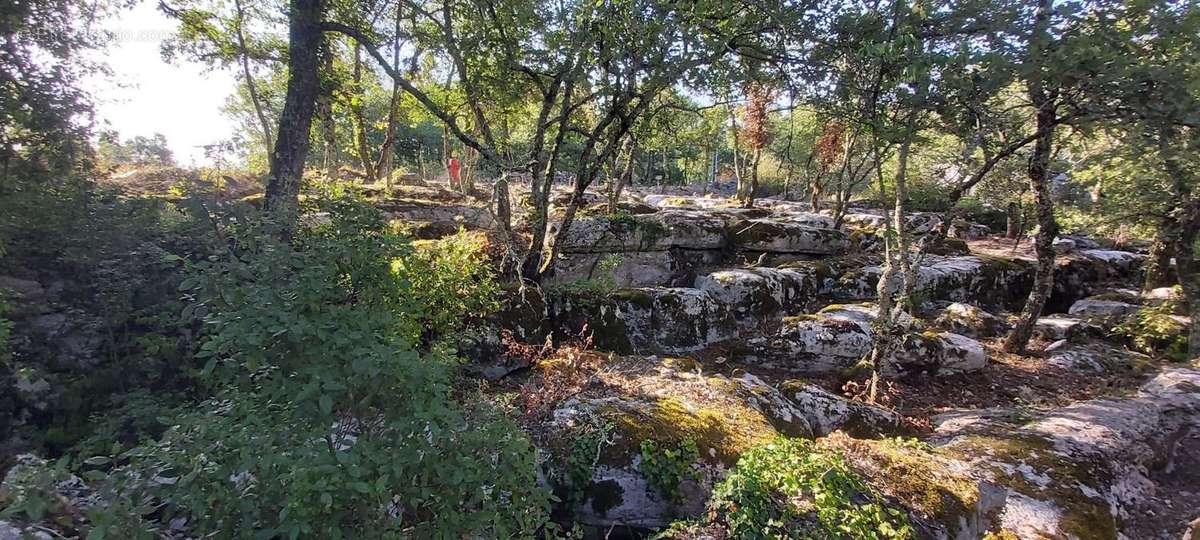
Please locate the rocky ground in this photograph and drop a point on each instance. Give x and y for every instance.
(728, 326)
(683, 324)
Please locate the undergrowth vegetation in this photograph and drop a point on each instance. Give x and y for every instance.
(790, 489)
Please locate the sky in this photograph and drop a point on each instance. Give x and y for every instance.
(146, 95)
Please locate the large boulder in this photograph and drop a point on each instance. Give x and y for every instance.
(688, 229)
(1085, 272)
(675, 405)
(1101, 311)
(758, 294)
(673, 319)
(970, 321)
(673, 267)
(778, 236)
(827, 412)
(671, 403)
(1078, 472)
(1054, 328)
(839, 336)
(648, 319)
(981, 280)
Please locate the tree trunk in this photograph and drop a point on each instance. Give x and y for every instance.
(1189, 278)
(384, 166)
(1013, 225)
(1039, 164)
(622, 179)
(329, 155)
(282, 199)
(251, 88)
(748, 197)
(360, 121)
(1158, 264)
(885, 339)
(815, 195)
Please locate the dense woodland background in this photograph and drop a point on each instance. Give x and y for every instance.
(264, 310)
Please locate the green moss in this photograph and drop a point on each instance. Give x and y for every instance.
(1083, 516)
(913, 475)
(638, 297)
(746, 233)
(647, 231)
(721, 434)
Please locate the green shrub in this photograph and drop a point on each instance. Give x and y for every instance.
(928, 197)
(790, 489)
(1156, 331)
(665, 469)
(325, 421)
(449, 282)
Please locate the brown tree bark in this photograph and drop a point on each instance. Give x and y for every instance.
(1046, 118)
(1158, 264)
(622, 179)
(282, 199)
(752, 187)
(1013, 220)
(384, 165)
(359, 119)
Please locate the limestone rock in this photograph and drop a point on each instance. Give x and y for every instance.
(665, 319)
(987, 281)
(1054, 328)
(1105, 311)
(827, 412)
(1097, 357)
(1077, 471)
(776, 236)
(839, 336)
(1063, 245)
(723, 417)
(688, 229)
(12, 531)
(971, 321)
(758, 294)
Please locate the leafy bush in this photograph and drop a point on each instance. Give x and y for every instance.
(928, 197)
(111, 266)
(325, 421)
(666, 468)
(790, 489)
(448, 282)
(1157, 331)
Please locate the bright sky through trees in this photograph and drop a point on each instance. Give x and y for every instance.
(182, 100)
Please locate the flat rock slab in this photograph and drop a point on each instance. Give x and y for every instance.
(404, 210)
(688, 229)
(1109, 311)
(838, 337)
(986, 281)
(672, 267)
(780, 236)
(1077, 471)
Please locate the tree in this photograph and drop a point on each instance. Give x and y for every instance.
(756, 136)
(282, 198)
(1150, 89)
